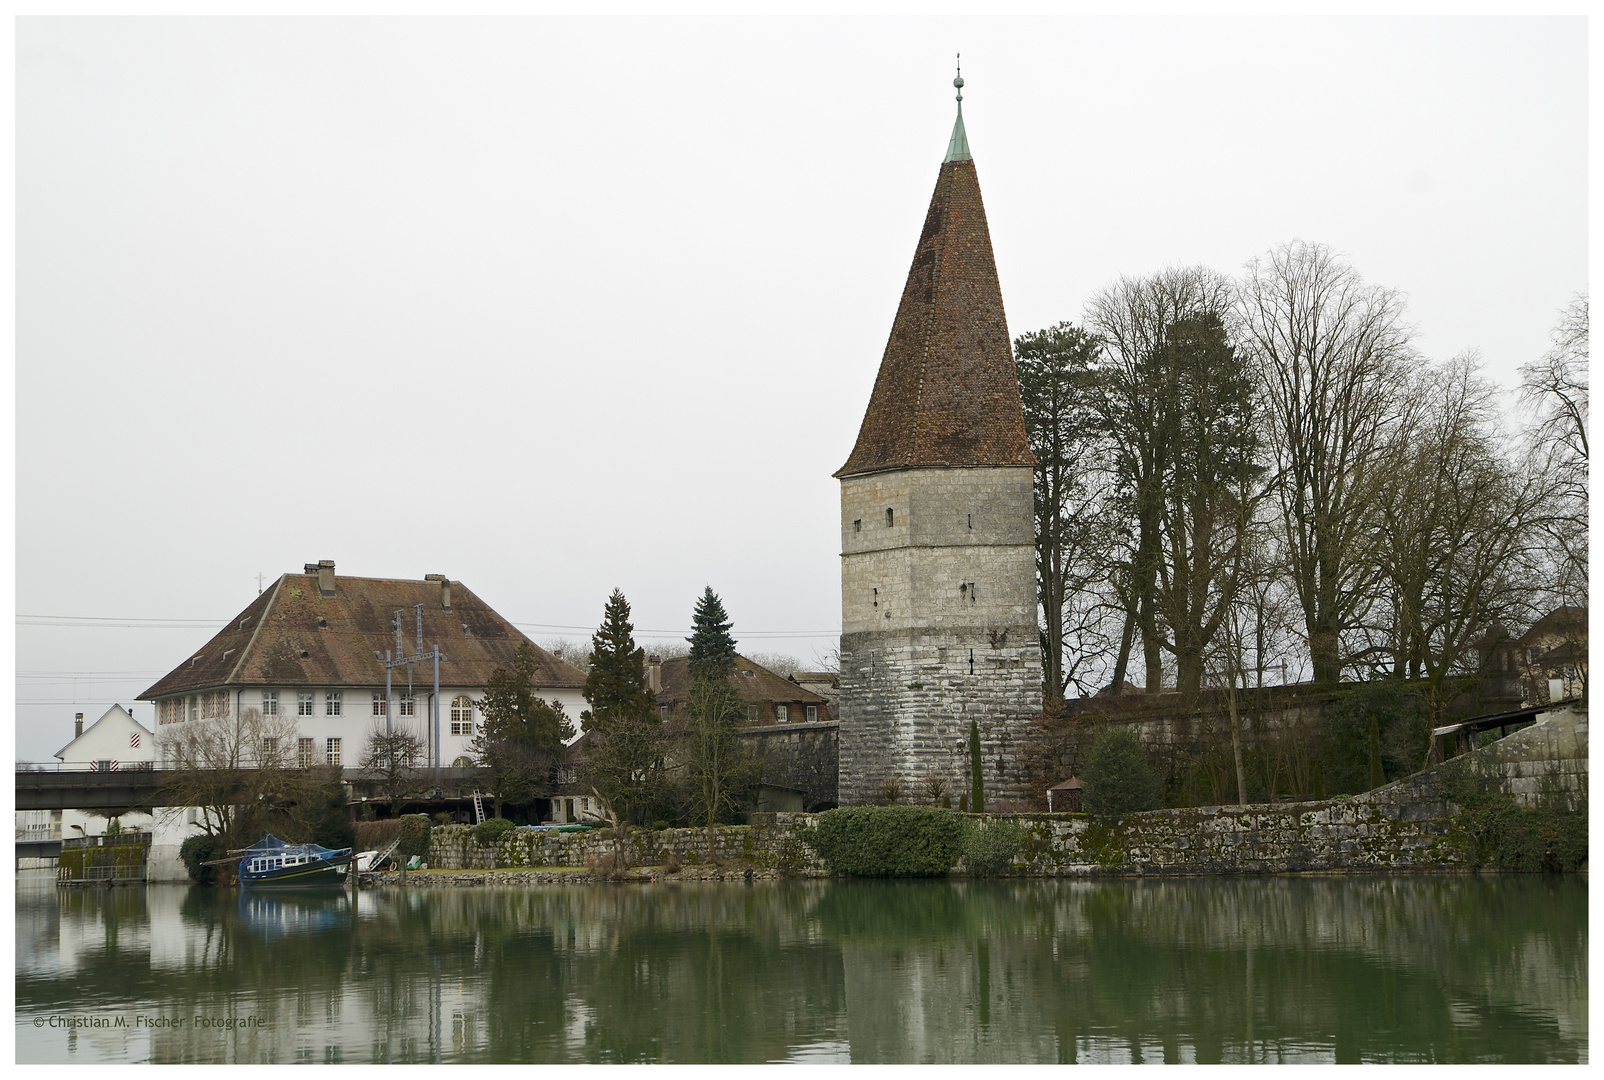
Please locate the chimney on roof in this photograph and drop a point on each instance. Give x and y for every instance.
(324, 569)
(654, 673)
(78, 726)
(445, 589)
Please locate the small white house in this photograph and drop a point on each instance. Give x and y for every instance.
(115, 742)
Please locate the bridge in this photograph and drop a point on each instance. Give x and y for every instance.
(121, 791)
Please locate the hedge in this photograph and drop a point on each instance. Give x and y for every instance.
(488, 831)
(889, 841)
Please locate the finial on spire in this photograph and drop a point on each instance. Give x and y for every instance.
(958, 145)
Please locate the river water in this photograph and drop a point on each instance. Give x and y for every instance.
(1264, 969)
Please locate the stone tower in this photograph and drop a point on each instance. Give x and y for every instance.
(938, 557)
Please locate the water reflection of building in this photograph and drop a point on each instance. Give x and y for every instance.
(1406, 968)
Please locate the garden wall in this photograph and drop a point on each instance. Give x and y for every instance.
(1403, 826)
(771, 842)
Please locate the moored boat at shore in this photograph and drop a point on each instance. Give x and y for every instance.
(271, 862)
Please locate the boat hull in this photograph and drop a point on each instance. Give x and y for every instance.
(297, 877)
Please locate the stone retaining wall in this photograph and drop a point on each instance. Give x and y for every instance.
(1403, 826)
(770, 843)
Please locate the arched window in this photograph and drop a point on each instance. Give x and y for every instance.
(461, 716)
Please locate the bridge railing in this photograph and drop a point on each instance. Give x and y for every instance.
(83, 766)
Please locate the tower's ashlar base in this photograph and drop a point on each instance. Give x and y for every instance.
(906, 703)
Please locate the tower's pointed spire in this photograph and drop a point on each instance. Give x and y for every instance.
(947, 394)
(958, 145)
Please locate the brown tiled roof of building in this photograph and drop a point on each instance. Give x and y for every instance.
(292, 635)
(754, 685)
(1562, 621)
(947, 393)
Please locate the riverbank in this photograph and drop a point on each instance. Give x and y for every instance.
(1407, 826)
(515, 877)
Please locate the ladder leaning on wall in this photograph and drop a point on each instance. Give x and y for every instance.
(478, 808)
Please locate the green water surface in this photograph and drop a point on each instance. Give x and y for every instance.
(1384, 969)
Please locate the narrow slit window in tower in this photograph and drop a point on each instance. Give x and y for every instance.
(890, 517)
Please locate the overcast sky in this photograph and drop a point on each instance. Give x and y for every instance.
(554, 305)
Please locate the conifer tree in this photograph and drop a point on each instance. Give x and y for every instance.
(521, 740)
(712, 647)
(720, 766)
(977, 786)
(624, 748)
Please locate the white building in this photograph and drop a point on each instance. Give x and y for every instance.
(309, 655)
(312, 647)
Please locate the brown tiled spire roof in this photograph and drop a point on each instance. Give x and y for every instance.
(947, 393)
(293, 635)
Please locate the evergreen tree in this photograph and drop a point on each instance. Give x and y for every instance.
(1117, 775)
(977, 786)
(1058, 386)
(721, 767)
(712, 647)
(521, 740)
(624, 747)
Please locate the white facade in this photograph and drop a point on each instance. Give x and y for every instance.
(332, 724)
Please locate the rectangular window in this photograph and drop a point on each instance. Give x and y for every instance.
(333, 757)
(857, 525)
(813, 713)
(303, 703)
(194, 708)
(379, 704)
(269, 747)
(331, 703)
(269, 702)
(405, 708)
(891, 518)
(782, 713)
(305, 753)
(662, 710)
(751, 714)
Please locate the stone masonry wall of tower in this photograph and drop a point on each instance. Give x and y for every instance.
(938, 603)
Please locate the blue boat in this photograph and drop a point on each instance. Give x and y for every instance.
(270, 862)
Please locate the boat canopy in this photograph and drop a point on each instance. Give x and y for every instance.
(272, 845)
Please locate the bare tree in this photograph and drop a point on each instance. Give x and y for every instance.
(229, 768)
(1554, 389)
(1153, 406)
(1333, 354)
(1460, 529)
(393, 757)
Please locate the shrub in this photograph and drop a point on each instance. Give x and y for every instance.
(487, 832)
(331, 825)
(1498, 832)
(1117, 778)
(1377, 733)
(990, 845)
(414, 836)
(889, 841)
(376, 835)
(195, 851)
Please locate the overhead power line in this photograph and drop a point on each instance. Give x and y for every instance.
(187, 624)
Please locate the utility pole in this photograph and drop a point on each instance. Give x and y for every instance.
(399, 659)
